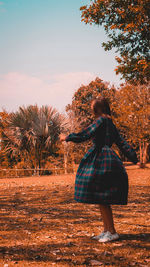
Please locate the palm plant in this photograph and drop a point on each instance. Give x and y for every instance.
(32, 133)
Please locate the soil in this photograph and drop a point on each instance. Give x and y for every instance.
(42, 225)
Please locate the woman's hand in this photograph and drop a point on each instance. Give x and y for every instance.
(62, 137)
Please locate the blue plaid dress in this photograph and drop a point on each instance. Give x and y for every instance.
(101, 177)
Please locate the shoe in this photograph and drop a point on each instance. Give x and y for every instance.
(97, 237)
(108, 237)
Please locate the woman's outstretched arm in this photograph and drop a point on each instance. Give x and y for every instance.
(125, 148)
(86, 134)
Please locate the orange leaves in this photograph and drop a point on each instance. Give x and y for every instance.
(118, 59)
(133, 109)
(83, 8)
(81, 104)
(131, 18)
(120, 11)
(130, 27)
(113, 27)
(142, 61)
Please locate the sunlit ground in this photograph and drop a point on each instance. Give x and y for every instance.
(42, 225)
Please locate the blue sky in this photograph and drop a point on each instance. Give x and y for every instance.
(46, 53)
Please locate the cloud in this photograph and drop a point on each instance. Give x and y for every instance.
(1, 3)
(17, 89)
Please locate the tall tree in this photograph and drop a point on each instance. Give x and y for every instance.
(127, 25)
(133, 111)
(81, 102)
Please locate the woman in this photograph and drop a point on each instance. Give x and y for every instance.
(101, 177)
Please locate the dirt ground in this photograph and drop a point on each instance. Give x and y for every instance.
(42, 225)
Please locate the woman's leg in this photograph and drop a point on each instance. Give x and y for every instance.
(107, 217)
(104, 221)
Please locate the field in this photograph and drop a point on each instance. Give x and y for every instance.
(42, 225)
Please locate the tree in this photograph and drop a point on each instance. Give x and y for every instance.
(134, 115)
(127, 25)
(4, 160)
(130, 106)
(81, 102)
(31, 134)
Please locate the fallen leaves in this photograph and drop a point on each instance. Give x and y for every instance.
(47, 228)
(96, 263)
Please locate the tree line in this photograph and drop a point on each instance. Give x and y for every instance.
(30, 136)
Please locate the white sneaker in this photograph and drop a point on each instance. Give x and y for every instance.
(97, 237)
(108, 237)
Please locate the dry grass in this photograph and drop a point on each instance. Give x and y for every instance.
(42, 225)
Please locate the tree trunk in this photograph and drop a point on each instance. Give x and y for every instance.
(73, 163)
(148, 153)
(143, 153)
(140, 144)
(65, 158)
(39, 167)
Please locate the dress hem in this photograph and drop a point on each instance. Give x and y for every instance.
(100, 202)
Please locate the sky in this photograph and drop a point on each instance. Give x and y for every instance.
(47, 53)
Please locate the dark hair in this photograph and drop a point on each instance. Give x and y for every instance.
(102, 104)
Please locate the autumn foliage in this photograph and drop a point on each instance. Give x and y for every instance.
(127, 25)
(29, 137)
(130, 106)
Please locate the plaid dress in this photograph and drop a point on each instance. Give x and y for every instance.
(101, 177)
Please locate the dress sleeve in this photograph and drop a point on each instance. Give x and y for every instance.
(126, 149)
(86, 134)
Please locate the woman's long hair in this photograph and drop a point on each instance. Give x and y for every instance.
(101, 105)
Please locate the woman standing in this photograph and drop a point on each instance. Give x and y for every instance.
(101, 177)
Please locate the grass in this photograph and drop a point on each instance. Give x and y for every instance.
(42, 225)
